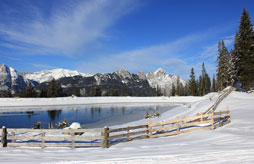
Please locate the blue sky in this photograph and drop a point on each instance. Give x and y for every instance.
(94, 36)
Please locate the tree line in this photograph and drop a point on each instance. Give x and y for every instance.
(234, 67)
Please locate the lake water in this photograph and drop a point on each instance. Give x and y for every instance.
(83, 114)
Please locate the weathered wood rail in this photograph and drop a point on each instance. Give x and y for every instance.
(52, 137)
(107, 137)
(223, 95)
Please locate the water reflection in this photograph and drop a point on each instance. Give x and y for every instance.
(53, 114)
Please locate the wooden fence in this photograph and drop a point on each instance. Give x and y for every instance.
(223, 95)
(52, 137)
(107, 137)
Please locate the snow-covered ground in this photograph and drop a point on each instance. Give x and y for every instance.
(233, 143)
(67, 101)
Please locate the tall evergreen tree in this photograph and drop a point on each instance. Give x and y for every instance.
(30, 91)
(222, 67)
(206, 81)
(214, 89)
(52, 89)
(246, 56)
(234, 61)
(192, 83)
(173, 91)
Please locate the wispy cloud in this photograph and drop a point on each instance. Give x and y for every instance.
(43, 66)
(67, 29)
(169, 56)
(211, 51)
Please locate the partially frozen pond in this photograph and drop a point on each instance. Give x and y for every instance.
(88, 115)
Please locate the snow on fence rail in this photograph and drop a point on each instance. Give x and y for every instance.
(107, 137)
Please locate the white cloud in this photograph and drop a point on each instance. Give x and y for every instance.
(43, 66)
(168, 55)
(68, 28)
(211, 51)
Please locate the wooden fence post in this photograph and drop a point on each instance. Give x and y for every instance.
(72, 140)
(212, 120)
(228, 114)
(177, 125)
(128, 131)
(13, 135)
(202, 113)
(147, 131)
(105, 143)
(150, 128)
(43, 140)
(4, 136)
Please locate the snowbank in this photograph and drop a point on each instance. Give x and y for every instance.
(67, 101)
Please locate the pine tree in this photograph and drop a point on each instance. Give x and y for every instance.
(158, 91)
(206, 81)
(214, 89)
(173, 91)
(234, 62)
(30, 91)
(52, 89)
(246, 56)
(178, 86)
(222, 67)
(192, 83)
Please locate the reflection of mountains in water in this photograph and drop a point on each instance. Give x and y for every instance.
(29, 113)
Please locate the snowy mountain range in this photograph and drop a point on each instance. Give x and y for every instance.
(140, 82)
(48, 75)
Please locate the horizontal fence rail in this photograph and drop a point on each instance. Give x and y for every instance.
(52, 137)
(106, 137)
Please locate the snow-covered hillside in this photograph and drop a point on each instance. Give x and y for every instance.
(163, 80)
(48, 75)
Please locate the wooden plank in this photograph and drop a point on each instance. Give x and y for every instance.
(192, 129)
(127, 134)
(126, 128)
(221, 118)
(221, 112)
(30, 144)
(164, 128)
(194, 123)
(88, 144)
(55, 138)
(55, 130)
(163, 123)
(195, 117)
(164, 134)
(118, 130)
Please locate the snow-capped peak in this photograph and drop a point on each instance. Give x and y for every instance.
(123, 73)
(160, 78)
(48, 75)
(160, 70)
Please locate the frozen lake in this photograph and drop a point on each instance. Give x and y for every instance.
(91, 116)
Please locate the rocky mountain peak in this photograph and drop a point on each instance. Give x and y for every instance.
(123, 73)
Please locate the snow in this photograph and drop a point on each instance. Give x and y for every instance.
(67, 101)
(163, 80)
(48, 75)
(232, 143)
